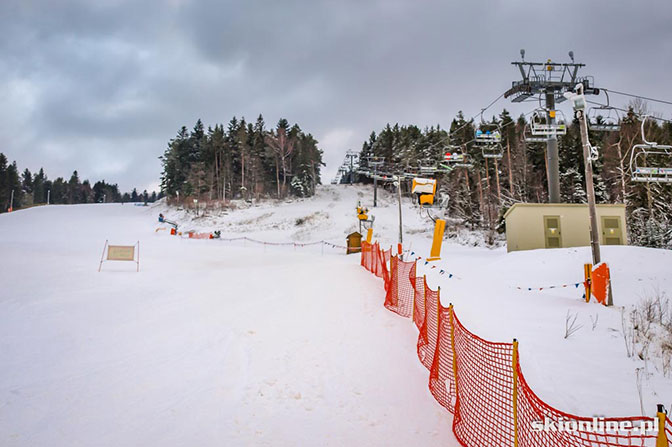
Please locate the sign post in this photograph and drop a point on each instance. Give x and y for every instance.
(120, 253)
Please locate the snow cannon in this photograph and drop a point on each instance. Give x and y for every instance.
(424, 189)
(365, 221)
(362, 213)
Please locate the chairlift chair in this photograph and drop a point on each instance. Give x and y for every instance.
(529, 138)
(541, 125)
(492, 151)
(456, 160)
(427, 169)
(604, 118)
(488, 137)
(650, 161)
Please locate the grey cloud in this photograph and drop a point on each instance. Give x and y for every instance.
(102, 86)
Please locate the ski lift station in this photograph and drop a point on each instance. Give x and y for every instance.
(559, 225)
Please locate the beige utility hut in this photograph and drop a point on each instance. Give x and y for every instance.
(555, 225)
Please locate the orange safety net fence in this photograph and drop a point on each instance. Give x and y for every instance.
(442, 372)
(531, 409)
(484, 408)
(418, 300)
(366, 259)
(481, 382)
(429, 331)
(400, 293)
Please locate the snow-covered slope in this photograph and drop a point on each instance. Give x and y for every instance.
(207, 345)
(233, 343)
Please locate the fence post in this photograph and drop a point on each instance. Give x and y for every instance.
(587, 271)
(661, 441)
(414, 288)
(438, 313)
(515, 393)
(451, 321)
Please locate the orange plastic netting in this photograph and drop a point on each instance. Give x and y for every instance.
(531, 410)
(484, 408)
(429, 331)
(400, 293)
(478, 380)
(418, 299)
(442, 374)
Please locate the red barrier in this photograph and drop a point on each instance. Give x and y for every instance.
(600, 283)
(531, 409)
(484, 410)
(400, 293)
(482, 384)
(429, 331)
(366, 255)
(418, 299)
(442, 373)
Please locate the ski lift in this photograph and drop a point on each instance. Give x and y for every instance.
(456, 160)
(650, 161)
(529, 138)
(542, 125)
(492, 151)
(427, 169)
(488, 137)
(604, 118)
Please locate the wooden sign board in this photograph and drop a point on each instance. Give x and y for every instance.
(120, 253)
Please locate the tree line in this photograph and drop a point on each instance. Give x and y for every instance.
(242, 161)
(479, 196)
(37, 189)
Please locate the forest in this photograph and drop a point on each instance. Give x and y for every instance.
(32, 189)
(479, 196)
(245, 161)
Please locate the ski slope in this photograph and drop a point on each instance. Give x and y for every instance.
(207, 345)
(233, 343)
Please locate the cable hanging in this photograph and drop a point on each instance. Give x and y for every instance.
(662, 101)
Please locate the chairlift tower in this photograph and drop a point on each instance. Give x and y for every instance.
(375, 162)
(549, 80)
(352, 157)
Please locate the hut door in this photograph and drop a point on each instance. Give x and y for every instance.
(552, 231)
(611, 230)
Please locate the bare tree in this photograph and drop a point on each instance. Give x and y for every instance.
(283, 146)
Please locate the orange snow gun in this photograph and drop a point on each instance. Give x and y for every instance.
(362, 213)
(425, 189)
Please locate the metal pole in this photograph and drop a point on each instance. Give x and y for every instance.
(401, 233)
(11, 202)
(590, 189)
(552, 154)
(375, 185)
(48, 195)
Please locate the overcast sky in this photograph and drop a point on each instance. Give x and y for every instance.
(101, 86)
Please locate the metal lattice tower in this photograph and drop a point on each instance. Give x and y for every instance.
(549, 80)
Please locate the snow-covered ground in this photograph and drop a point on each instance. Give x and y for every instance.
(233, 343)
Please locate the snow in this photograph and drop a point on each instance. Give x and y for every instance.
(209, 344)
(237, 343)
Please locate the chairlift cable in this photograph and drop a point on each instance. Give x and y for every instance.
(662, 101)
(467, 122)
(639, 115)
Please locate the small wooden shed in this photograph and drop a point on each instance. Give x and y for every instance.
(354, 241)
(557, 225)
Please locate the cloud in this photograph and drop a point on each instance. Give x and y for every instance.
(102, 86)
